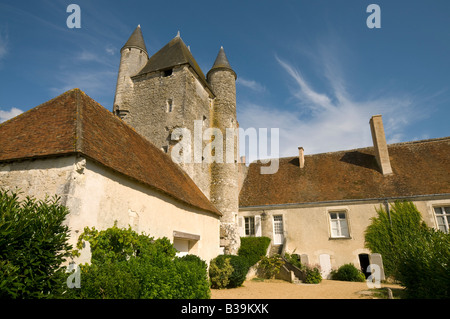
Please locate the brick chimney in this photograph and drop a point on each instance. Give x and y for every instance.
(380, 145)
(301, 157)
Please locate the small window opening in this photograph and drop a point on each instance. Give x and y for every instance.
(165, 148)
(169, 105)
(167, 72)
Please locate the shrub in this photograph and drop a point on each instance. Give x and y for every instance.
(312, 275)
(128, 265)
(253, 248)
(293, 259)
(424, 266)
(33, 245)
(220, 270)
(270, 266)
(389, 235)
(348, 272)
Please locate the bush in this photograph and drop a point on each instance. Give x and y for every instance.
(220, 270)
(127, 265)
(220, 274)
(348, 272)
(293, 259)
(312, 275)
(388, 236)
(424, 266)
(253, 248)
(270, 266)
(33, 245)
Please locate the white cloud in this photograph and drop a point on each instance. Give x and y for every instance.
(6, 115)
(251, 84)
(334, 121)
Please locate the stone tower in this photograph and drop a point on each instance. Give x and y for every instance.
(224, 176)
(167, 92)
(133, 57)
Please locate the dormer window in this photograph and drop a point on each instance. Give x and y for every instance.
(167, 72)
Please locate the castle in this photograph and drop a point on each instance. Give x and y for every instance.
(118, 167)
(157, 94)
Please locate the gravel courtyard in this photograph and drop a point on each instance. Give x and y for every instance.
(279, 289)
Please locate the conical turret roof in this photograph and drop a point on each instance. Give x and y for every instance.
(136, 40)
(221, 62)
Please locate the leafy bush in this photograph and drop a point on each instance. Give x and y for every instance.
(220, 270)
(33, 245)
(270, 266)
(424, 266)
(348, 272)
(389, 235)
(125, 264)
(253, 248)
(312, 275)
(416, 255)
(293, 259)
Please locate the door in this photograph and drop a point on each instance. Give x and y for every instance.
(325, 265)
(364, 263)
(278, 232)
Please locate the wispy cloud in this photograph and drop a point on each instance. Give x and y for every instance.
(251, 84)
(332, 120)
(3, 44)
(9, 114)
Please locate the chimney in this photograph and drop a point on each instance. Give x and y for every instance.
(301, 157)
(380, 145)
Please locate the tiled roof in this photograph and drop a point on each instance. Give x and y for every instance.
(420, 168)
(74, 123)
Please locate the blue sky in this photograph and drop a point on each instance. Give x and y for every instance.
(313, 69)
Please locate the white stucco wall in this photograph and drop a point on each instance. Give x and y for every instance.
(307, 228)
(97, 196)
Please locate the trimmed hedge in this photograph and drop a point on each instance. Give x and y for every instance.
(253, 248)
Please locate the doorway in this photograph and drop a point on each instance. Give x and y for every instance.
(278, 232)
(364, 263)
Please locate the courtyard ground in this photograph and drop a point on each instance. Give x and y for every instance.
(279, 289)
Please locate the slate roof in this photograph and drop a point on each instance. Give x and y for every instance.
(73, 123)
(174, 53)
(136, 40)
(221, 62)
(419, 168)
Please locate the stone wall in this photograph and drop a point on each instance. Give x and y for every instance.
(97, 197)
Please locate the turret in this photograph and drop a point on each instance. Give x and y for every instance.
(134, 56)
(224, 176)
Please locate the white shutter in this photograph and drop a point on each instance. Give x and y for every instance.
(241, 226)
(258, 225)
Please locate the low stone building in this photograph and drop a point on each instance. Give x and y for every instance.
(319, 206)
(104, 172)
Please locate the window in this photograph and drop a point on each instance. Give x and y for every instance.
(443, 218)
(339, 226)
(167, 72)
(249, 226)
(169, 105)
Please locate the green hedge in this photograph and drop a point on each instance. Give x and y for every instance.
(127, 265)
(253, 248)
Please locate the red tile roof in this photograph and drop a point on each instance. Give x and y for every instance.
(73, 123)
(420, 168)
